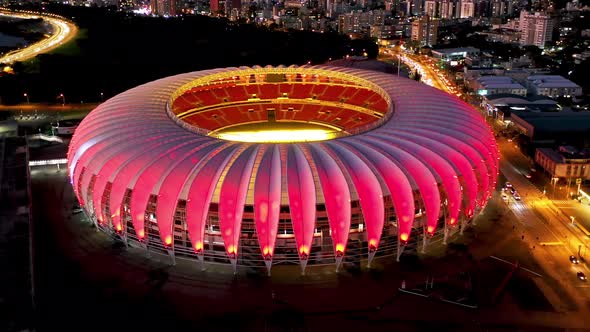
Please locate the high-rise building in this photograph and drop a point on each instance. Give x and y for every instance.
(383, 31)
(353, 22)
(395, 6)
(163, 7)
(214, 6)
(366, 3)
(329, 8)
(225, 6)
(413, 7)
(536, 28)
(467, 9)
(431, 8)
(481, 8)
(235, 4)
(497, 8)
(361, 22)
(425, 30)
(390, 5)
(448, 9)
(510, 7)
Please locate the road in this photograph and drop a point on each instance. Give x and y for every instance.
(63, 32)
(547, 232)
(38, 107)
(425, 67)
(546, 229)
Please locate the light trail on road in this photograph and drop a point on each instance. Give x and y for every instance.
(541, 224)
(428, 75)
(63, 32)
(538, 217)
(508, 168)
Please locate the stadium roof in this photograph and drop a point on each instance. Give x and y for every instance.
(396, 137)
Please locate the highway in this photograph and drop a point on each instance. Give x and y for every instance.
(546, 229)
(63, 31)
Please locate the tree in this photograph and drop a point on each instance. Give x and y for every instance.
(417, 76)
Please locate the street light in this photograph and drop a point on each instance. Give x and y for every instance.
(26, 96)
(554, 182)
(63, 99)
(101, 97)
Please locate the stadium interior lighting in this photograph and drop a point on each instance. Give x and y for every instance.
(278, 136)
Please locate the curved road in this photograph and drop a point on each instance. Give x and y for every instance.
(63, 32)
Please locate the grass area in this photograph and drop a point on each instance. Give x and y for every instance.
(71, 48)
(31, 66)
(74, 115)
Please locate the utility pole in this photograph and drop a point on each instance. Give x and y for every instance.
(399, 56)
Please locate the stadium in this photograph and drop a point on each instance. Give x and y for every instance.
(309, 165)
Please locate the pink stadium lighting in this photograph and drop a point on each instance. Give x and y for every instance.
(394, 161)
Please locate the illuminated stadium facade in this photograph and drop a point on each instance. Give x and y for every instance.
(277, 165)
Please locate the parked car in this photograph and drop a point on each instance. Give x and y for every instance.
(574, 259)
(581, 276)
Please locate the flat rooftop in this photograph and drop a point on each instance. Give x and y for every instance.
(510, 99)
(499, 82)
(552, 154)
(457, 50)
(557, 121)
(560, 157)
(551, 81)
(501, 85)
